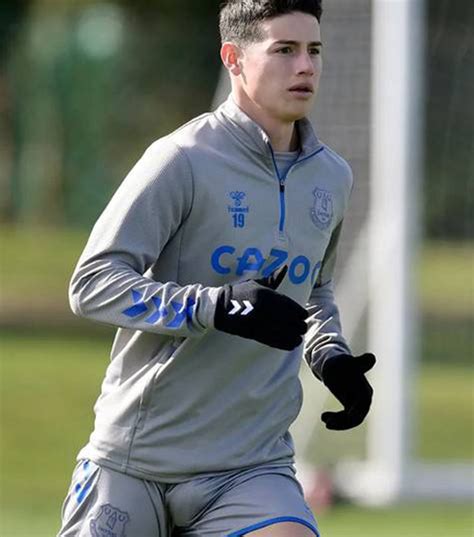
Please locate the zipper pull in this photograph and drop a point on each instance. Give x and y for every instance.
(282, 185)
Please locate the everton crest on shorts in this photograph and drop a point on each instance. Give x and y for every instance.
(110, 522)
(322, 210)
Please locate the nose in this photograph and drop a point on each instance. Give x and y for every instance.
(306, 64)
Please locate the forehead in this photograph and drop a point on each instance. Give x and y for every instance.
(294, 26)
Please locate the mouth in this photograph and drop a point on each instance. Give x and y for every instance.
(302, 90)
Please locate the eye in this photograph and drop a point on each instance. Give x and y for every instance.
(284, 50)
(314, 51)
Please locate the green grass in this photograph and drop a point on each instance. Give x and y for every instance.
(445, 400)
(48, 387)
(416, 520)
(37, 263)
(447, 339)
(39, 258)
(49, 383)
(446, 279)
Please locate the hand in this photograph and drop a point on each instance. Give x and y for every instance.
(253, 309)
(344, 375)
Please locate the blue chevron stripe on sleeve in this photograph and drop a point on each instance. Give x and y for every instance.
(182, 313)
(159, 313)
(138, 308)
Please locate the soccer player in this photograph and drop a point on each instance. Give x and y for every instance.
(215, 258)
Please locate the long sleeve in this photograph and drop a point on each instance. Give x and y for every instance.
(110, 283)
(324, 337)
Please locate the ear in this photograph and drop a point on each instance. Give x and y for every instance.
(230, 56)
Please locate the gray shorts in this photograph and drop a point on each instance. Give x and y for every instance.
(105, 503)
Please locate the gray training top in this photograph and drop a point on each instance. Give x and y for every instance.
(204, 206)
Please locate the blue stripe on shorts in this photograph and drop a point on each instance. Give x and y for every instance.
(271, 521)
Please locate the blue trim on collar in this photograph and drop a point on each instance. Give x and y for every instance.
(309, 156)
(271, 521)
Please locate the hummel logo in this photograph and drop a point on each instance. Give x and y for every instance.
(237, 307)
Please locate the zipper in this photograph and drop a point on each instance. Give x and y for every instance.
(281, 226)
(281, 182)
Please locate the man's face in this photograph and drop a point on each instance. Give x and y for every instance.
(280, 74)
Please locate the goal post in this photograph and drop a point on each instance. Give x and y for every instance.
(395, 170)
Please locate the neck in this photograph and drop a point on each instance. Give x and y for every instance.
(283, 135)
(283, 139)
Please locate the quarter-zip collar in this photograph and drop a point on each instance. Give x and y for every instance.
(256, 139)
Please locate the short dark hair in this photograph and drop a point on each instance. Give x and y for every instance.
(239, 20)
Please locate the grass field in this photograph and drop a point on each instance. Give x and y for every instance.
(50, 379)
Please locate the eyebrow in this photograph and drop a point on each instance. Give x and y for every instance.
(290, 42)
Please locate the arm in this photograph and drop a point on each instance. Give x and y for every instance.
(324, 337)
(328, 354)
(109, 285)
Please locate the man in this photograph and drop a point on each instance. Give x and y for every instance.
(214, 258)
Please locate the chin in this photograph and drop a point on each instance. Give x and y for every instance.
(298, 112)
(296, 115)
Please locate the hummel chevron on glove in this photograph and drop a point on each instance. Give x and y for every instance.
(253, 309)
(344, 375)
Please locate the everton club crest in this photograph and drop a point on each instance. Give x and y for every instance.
(110, 522)
(322, 210)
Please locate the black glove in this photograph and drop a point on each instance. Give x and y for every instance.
(254, 310)
(345, 378)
